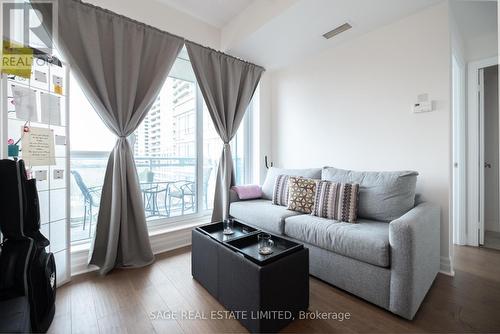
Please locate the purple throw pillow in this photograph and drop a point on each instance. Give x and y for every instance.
(248, 191)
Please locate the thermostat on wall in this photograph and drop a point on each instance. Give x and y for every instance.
(423, 104)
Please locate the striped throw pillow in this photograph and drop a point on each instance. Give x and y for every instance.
(338, 201)
(280, 191)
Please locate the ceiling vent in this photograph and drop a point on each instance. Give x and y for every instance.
(338, 30)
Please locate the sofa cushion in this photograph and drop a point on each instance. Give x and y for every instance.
(366, 241)
(262, 214)
(280, 191)
(337, 201)
(273, 172)
(383, 196)
(247, 191)
(301, 194)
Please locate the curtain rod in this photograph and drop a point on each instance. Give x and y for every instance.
(109, 12)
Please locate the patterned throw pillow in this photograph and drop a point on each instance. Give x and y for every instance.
(301, 194)
(338, 201)
(280, 191)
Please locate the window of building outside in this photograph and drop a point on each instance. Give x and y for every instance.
(176, 150)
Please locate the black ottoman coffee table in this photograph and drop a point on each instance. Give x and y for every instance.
(264, 292)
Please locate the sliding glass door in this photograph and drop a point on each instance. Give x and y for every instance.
(165, 149)
(176, 150)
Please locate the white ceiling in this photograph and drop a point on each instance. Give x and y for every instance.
(297, 32)
(214, 12)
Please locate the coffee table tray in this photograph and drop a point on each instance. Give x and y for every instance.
(214, 230)
(249, 247)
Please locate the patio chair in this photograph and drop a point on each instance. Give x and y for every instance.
(149, 194)
(153, 193)
(183, 191)
(91, 197)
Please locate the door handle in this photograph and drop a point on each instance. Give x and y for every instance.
(487, 165)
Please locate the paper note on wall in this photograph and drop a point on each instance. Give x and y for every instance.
(40, 76)
(58, 84)
(51, 109)
(41, 175)
(25, 103)
(38, 147)
(60, 140)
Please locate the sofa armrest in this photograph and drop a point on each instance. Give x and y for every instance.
(233, 196)
(415, 257)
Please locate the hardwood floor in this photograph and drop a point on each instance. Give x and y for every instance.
(122, 302)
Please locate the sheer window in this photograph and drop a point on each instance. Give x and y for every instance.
(176, 150)
(165, 151)
(212, 149)
(89, 154)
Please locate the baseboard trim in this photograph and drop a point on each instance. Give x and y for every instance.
(445, 266)
(165, 242)
(79, 263)
(496, 228)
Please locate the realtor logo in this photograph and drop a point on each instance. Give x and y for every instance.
(27, 28)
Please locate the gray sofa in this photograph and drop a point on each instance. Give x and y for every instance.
(390, 257)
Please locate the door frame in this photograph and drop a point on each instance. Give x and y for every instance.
(475, 155)
(459, 151)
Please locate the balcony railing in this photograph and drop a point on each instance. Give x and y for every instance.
(168, 187)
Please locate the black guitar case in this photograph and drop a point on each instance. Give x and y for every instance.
(20, 224)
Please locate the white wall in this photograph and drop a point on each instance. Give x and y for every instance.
(166, 18)
(477, 22)
(457, 39)
(482, 47)
(349, 107)
(262, 129)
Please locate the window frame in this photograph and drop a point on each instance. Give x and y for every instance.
(159, 224)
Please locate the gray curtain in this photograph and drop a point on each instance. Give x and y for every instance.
(227, 85)
(121, 66)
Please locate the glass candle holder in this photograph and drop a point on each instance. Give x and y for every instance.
(228, 225)
(265, 244)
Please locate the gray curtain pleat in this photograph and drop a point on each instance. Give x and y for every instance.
(121, 66)
(227, 85)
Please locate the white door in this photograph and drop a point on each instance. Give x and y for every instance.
(475, 151)
(489, 108)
